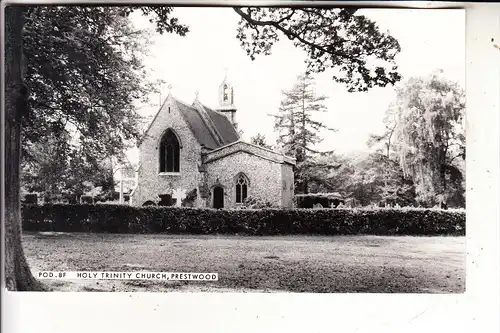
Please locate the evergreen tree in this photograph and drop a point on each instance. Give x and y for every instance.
(299, 132)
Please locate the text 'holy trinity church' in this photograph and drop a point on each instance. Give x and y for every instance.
(191, 155)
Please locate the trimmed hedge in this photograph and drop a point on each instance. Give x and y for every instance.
(172, 220)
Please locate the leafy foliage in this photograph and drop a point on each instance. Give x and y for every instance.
(252, 202)
(45, 171)
(425, 139)
(431, 137)
(160, 16)
(84, 73)
(55, 167)
(190, 199)
(126, 219)
(337, 38)
(260, 140)
(372, 179)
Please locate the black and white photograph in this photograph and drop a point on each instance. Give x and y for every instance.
(217, 149)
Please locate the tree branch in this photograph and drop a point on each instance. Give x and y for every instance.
(288, 33)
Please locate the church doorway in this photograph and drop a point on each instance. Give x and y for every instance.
(218, 197)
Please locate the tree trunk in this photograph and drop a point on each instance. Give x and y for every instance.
(17, 272)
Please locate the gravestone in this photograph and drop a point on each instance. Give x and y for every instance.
(86, 199)
(317, 206)
(179, 195)
(165, 200)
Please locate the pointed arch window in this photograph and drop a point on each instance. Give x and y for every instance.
(169, 152)
(241, 188)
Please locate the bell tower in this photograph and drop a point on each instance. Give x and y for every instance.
(226, 101)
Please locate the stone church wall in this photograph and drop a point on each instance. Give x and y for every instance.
(151, 183)
(264, 176)
(287, 185)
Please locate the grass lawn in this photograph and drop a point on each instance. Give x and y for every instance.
(370, 264)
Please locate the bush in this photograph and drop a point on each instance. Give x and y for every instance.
(190, 199)
(87, 199)
(256, 203)
(175, 220)
(31, 198)
(107, 196)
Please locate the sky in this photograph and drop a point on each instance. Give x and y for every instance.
(429, 40)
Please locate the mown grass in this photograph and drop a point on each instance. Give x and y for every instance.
(324, 264)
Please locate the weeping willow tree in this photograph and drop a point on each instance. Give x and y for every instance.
(430, 139)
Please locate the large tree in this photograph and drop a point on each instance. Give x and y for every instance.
(76, 82)
(431, 139)
(54, 167)
(84, 73)
(81, 74)
(17, 272)
(299, 131)
(370, 178)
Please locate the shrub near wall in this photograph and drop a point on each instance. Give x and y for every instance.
(127, 219)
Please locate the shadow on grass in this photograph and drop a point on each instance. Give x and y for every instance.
(93, 289)
(51, 234)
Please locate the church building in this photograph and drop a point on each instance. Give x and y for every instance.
(192, 155)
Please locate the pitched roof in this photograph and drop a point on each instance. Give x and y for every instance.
(199, 128)
(242, 146)
(211, 129)
(223, 125)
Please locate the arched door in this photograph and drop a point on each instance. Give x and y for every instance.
(218, 197)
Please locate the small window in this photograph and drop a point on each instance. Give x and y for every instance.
(241, 188)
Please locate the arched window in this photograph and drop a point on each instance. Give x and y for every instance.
(225, 92)
(169, 152)
(241, 188)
